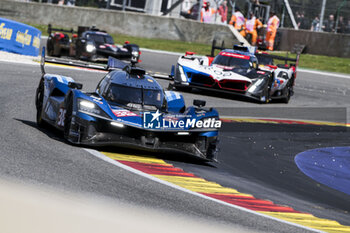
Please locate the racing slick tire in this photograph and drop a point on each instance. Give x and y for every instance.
(39, 99)
(212, 151)
(265, 98)
(288, 94)
(50, 47)
(68, 117)
(287, 97)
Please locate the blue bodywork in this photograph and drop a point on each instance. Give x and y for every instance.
(91, 119)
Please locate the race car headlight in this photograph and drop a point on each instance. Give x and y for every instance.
(182, 74)
(90, 107)
(117, 124)
(183, 133)
(135, 53)
(87, 104)
(90, 48)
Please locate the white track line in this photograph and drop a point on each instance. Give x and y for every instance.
(323, 73)
(135, 171)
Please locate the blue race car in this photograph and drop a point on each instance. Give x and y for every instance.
(128, 109)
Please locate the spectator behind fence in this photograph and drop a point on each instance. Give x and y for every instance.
(207, 13)
(101, 4)
(237, 19)
(302, 21)
(194, 11)
(255, 6)
(347, 27)
(223, 12)
(70, 2)
(329, 25)
(315, 25)
(272, 26)
(251, 26)
(298, 19)
(304, 24)
(341, 25)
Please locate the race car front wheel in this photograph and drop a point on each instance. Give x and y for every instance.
(39, 99)
(265, 98)
(68, 117)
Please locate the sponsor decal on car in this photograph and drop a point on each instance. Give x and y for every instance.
(123, 113)
(234, 55)
(156, 120)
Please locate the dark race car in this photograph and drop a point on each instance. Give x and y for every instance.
(128, 109)
(89, 44)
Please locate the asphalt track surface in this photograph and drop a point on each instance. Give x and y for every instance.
(255, 158)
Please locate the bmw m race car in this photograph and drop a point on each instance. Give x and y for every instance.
(284, 74)
(128, 109)
(232, 71)
(89, 44)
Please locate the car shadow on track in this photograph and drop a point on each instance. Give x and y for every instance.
(56, 134)
(49, 130)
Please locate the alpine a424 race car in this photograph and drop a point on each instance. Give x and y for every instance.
(232, 71)
(89, 44)
(128, 109)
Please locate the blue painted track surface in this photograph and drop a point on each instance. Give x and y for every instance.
(329, 166)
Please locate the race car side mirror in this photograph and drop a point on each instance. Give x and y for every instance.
(199, 103)
(74, 85)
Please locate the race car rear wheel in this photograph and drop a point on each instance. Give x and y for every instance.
(49, 47)
(212, 151)
(39, 99)
(287, 97)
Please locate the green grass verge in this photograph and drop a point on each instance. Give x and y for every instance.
(319, 62)
(316, 62)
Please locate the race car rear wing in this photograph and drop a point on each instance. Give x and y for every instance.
(50, 29)
(216, 47)
(266, 55)
(112, 64)
(81, 29)
(286, 59)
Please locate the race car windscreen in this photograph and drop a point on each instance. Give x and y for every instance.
(230, 61)
(101, 39)
(134, 98)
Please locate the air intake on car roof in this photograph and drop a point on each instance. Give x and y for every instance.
(240, 48)
(135, 70)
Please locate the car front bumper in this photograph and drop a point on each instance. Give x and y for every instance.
(100, 132)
